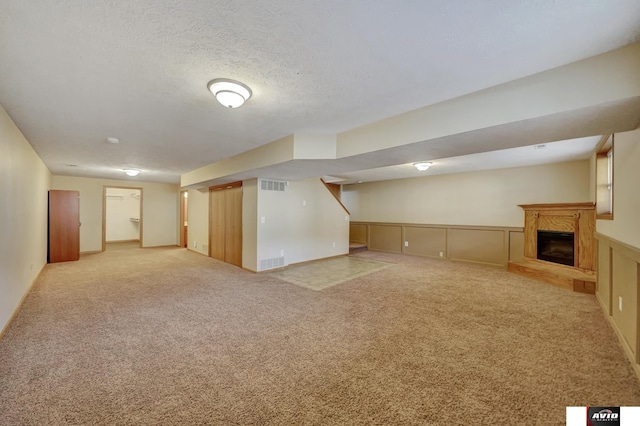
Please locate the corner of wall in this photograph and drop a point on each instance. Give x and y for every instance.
(250, 225)
(198, 220)
(23, 246)
(305, 222)
(618, 251)
(592, 178)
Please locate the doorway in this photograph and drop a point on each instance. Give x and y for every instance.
(184, 217)
(121, 218)
(225, 227)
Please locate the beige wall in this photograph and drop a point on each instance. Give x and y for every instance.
(250, 224)
(486, 198)
(198, 219)
(626, 192)
(272, 153)
(619, 247)
(24, 182)
(303, 222)
(160, 209)
(592, 178)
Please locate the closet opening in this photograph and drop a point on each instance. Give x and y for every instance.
(121, 218)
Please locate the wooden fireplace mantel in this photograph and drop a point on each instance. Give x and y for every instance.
(558, 206)
(578, 218)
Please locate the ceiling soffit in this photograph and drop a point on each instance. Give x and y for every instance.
(590, 97)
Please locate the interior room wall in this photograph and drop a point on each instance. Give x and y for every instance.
(305, 222)
(618, 254)
(250, 224)
(626, 197)
(592, 178)
(482, 198)
(198, 219)
(160, 209)
(24, 182)
(123, 205)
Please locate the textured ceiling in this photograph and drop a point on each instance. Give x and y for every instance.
(76, 72)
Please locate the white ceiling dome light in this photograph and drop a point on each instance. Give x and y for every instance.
(132, 172)
(422, 166)
(229, 93)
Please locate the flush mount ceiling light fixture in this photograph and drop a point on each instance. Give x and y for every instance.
(422, 166)
(132, 172)
(229, 93)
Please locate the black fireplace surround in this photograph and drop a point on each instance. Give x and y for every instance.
(556, 247)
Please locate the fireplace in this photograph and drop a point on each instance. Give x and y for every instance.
(559, 245)
(556, 247)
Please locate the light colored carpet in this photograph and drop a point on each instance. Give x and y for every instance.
(167, 336)
(326, 273)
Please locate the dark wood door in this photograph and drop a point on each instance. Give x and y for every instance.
(64, 226)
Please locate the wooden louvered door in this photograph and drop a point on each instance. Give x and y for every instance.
(216, 227)
(225, 223)
(233, 226)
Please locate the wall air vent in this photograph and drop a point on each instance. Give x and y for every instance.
(275, 262)
(272, 185)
